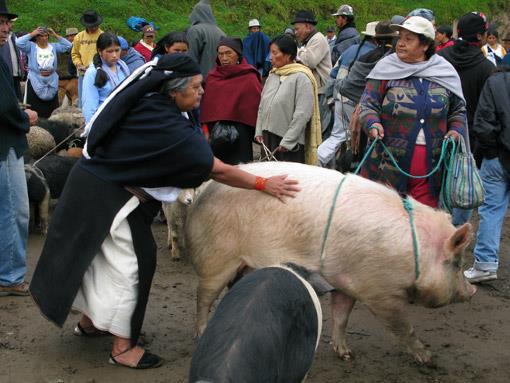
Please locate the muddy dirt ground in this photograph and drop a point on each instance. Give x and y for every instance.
(470, 342)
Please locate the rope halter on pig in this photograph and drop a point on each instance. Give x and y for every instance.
(408, 206)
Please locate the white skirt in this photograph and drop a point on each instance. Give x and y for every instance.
(109, 290)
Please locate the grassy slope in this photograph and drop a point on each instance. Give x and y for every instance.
(232, 15)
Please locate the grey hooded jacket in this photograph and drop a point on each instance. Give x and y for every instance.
(203, 36)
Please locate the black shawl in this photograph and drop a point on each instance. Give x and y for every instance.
(153, 146)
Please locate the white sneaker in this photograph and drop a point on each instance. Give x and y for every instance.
(474, 275)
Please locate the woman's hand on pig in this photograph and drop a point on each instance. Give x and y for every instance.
(280, 187)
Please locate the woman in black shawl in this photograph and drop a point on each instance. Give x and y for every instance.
(99, 256)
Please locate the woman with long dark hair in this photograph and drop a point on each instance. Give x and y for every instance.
(105, 73)
(173, 42)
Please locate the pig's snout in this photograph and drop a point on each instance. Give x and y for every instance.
(466, 292)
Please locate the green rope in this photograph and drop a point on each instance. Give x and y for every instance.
(444, 151)
(409, 208)
(330, 218)
(407, 203)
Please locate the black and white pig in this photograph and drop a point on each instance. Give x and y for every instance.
(265, 329)
(368, 255)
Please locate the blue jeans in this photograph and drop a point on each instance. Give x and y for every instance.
(80, 90)
(461, 216)
(496, 182)
(327, 150)
(14, 213)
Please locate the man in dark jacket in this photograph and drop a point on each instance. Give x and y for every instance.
(12, 57)
(203, 36)
(492, 130)
(473, 69)
(470, 63)
(14, 124)
(347, 35)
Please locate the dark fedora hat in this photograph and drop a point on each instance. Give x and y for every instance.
(383, 30)
(304, 17)
(5, 12)
(91, 19)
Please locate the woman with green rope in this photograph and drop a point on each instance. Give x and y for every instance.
(412, 101)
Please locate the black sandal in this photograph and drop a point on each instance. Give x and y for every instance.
(80, 331)
(147, 360)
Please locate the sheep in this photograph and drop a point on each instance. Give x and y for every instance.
(40, 142)
(69, 115)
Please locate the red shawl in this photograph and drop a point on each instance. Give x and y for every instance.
(232, 93)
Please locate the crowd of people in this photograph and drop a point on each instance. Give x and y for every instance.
(170, 113)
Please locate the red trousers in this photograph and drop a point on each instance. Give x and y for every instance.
(418, 188)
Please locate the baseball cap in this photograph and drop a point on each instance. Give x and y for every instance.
(423, 12)
(148, 30)
(471, 24)
(123, 43)
(344, 10)
(253, 23)
(71, 31)
(417, 24)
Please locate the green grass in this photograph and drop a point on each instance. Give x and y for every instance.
(232, 15)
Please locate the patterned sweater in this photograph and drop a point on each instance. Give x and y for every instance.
(404, 107)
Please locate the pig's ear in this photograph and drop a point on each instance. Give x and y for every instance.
(460, 239)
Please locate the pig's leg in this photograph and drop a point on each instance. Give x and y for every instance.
(166, 211)
(341, 307)
(395, 319)
(209, 288)
(176, 255)
(44, 213)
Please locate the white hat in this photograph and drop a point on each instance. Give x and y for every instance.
(370, 29)
(253, 23)
(417, 24)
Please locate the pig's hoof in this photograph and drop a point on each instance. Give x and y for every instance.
(347, 356)
(423, 357)
(344, 353)
(44, 230)
(199, 331)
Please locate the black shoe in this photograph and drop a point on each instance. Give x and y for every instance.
(147, 360)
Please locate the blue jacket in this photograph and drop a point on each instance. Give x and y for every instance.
(347, 37)
(255, 49)
(93, 96)
(133, 59)
(45, 87)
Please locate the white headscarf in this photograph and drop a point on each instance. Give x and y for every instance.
(436, 69)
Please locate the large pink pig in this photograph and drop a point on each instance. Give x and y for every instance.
(368, 253)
